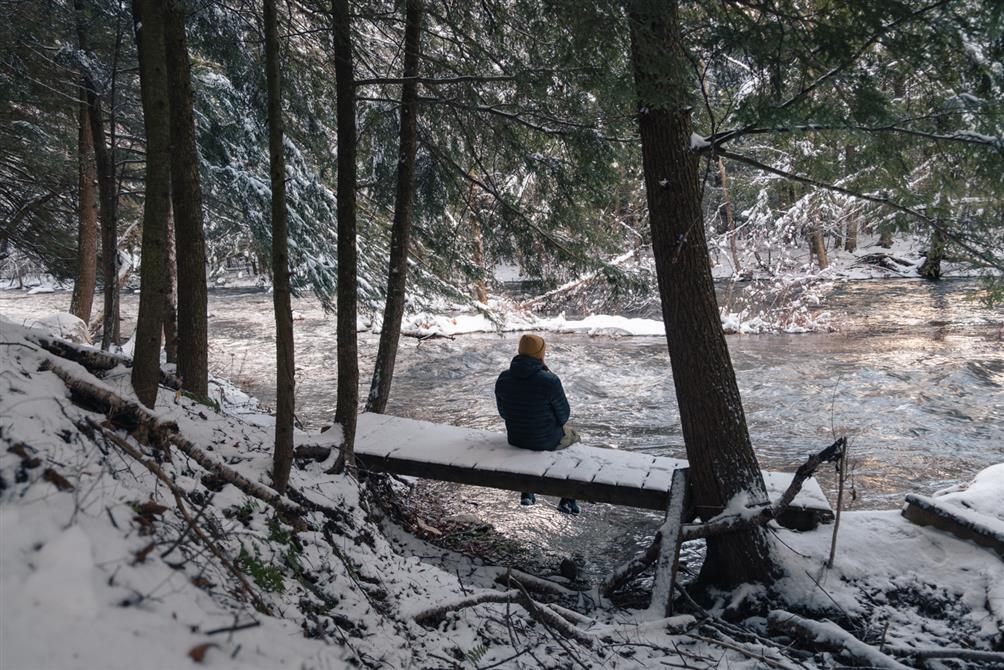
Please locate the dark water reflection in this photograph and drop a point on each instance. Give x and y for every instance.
(915, 377)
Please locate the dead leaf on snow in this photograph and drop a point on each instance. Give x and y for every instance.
(57, 480)
(150, 507)
(140, 556)
(198, 652)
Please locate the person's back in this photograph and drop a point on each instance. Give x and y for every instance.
(532, 402)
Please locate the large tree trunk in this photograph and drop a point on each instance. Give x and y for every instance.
(347, 403)
(104, 158)
(480, 287)
(149, 21)
(87, 221)
(817, 247)
(404, 205)
(885, 238)
(186, 194)
(282, 458)
(931, 268)
(722, 462)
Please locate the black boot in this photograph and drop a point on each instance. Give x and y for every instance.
(568, 506)
(527, 499)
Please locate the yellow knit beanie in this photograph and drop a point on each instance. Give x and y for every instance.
(532, 345)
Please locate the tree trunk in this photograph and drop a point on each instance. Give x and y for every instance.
(885, 238)
(722, 462)
(817, 247)
(851, 236)
(931, 268)
(149, 21)
(186, 195)
(347, 403)
(87, 221)
(404, 205)
(104, 158)
(282, 458)
(729, 217)
(171, 295)
(480, 288)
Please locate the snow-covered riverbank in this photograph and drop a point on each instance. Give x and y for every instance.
(101, 569)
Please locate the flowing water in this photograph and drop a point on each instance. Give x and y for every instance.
(914, 376)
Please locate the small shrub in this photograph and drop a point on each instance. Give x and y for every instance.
(265, 575)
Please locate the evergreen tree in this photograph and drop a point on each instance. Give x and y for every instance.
(285, 365)
(186, 197)
(348, 359)
(404, 203)
(149, 22)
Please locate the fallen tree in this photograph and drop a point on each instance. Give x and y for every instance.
(560, 620)
(828, 636)
(139, 421)
(95, 360)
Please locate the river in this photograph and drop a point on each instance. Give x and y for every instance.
(914, 376)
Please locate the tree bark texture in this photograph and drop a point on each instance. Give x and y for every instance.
(931, 268)
(722, 462)
(87, 221)
(347, 402)
(171, 295)
(885, 238)
(186, 196)
(149, 20)
(404, 206)
(480, 287)
(285, 382)
(851, 230)
(817, 246)
(104, 159)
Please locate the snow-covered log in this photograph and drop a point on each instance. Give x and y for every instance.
(533, 583)
(541, 612)
(95, 360)
(923, 653)
(136, 417)
(829, 636)
(669, 554)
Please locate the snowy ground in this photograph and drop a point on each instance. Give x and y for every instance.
(99, 570)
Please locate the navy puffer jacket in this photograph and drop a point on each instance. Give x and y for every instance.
(533, 403)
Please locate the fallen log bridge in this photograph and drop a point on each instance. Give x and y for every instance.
(484, 458)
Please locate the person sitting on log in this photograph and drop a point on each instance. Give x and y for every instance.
(532, 402)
